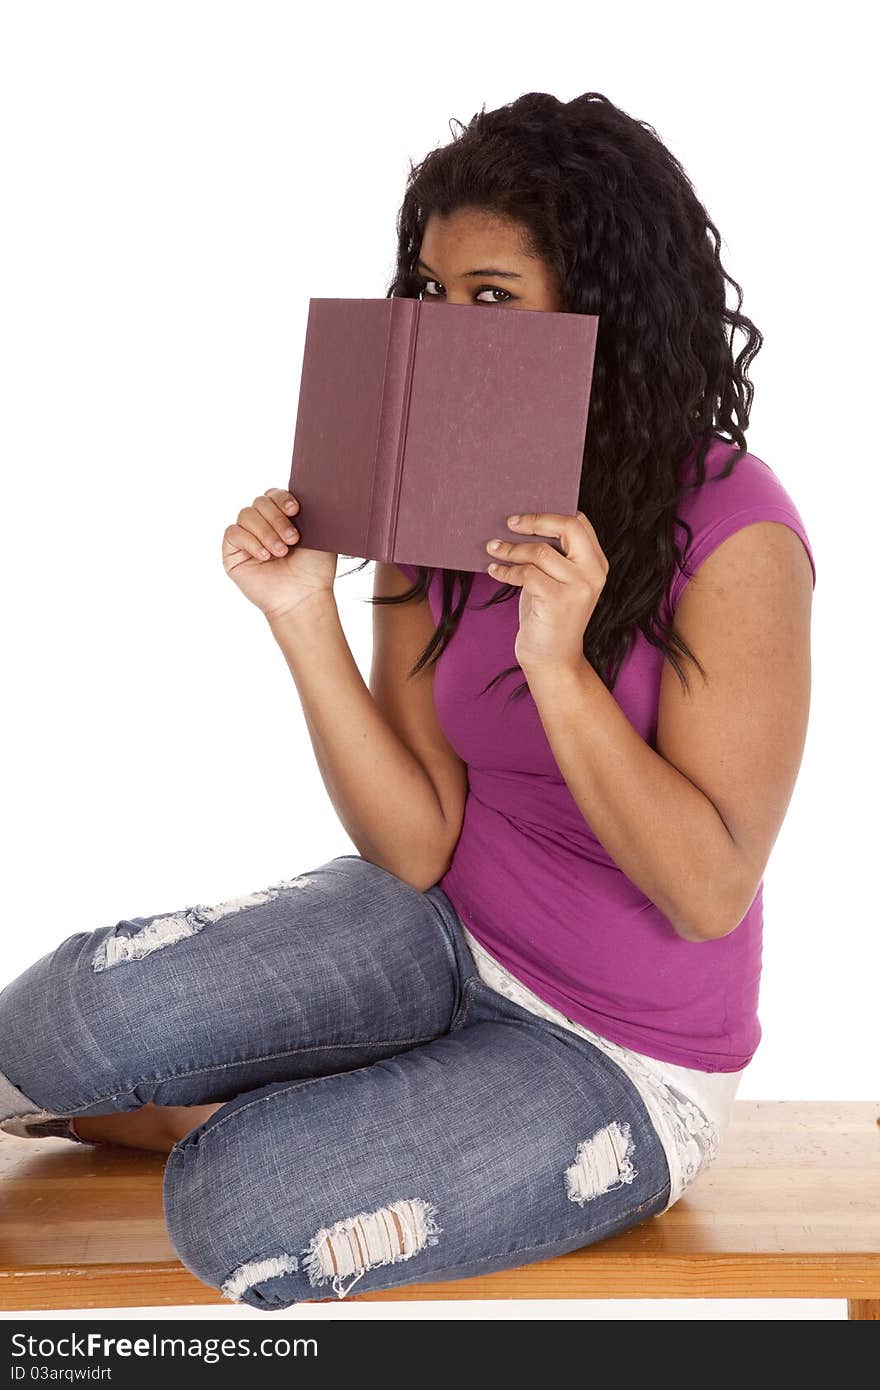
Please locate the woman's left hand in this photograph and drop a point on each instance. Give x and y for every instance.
(559, 592)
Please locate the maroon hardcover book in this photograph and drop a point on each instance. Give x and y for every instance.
(422, 426)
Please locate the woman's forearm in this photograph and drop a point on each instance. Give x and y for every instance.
(380, 791)
(659, 828)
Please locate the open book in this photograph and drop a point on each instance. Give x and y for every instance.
(422, 426)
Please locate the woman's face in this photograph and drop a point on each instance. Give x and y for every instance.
(474, 257)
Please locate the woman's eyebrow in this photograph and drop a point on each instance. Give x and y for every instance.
(487, 270)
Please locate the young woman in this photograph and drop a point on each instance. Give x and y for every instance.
(514, 1023)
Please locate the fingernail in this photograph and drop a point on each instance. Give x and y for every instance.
(512, 520)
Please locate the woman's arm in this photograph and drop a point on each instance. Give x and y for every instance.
(394, 782)
(693, 824)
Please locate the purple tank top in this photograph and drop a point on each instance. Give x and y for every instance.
(529, 878)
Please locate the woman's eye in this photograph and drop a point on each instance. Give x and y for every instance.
(485, 289)
(493, 289)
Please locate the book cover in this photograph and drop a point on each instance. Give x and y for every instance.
(422, 425)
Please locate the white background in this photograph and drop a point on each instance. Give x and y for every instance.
(178, 179)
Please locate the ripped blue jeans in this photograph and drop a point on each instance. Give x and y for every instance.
(387, 1117)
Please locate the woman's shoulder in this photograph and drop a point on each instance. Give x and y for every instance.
(751, 491)
(751, 482)
(411, 571)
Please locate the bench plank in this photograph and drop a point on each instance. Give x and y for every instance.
(790, 1209)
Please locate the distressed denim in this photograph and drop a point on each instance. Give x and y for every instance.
(387, 1118)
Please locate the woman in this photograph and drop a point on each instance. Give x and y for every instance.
(514, 1023)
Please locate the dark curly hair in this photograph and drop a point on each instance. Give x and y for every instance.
(601, 199)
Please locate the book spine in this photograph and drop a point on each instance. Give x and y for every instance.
(394, 411)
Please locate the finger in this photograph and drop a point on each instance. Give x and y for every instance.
(587, 524)
(284, 499)
(568, 529)
(539, 553)
(530, 577)
(270, 524)
(252, 520)
(270, 509)
(240, 538)
(579, 540)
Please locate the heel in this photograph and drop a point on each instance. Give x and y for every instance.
(75, 1134)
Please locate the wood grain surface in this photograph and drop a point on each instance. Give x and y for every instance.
(789, 1209)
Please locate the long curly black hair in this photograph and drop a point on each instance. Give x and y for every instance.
(605, 203)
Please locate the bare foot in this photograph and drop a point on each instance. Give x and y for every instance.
(157, 1127)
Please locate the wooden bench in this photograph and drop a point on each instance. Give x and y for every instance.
(790, 1209)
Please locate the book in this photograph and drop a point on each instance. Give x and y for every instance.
(422, 426)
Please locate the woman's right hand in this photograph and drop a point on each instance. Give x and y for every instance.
(268, 564)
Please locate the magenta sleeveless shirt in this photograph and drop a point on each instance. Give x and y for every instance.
(530, 879)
